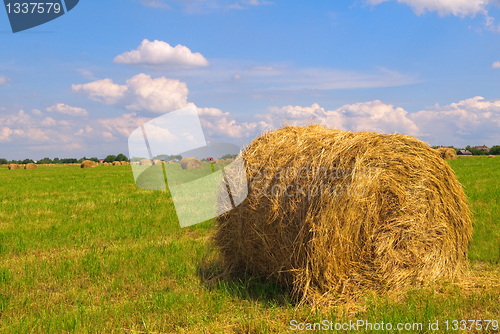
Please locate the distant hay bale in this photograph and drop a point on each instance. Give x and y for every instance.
(117, 163)
(146, 162)
(157, 162)
(105, 164)
(88, 164)
(491, 156)
(331, 214)
(30, 166)
(218, 161)
(447, 153)
(125, 163)
(191, 163)
(14, 166)
(228, 161)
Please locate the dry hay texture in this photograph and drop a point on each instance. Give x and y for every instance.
(14, 166)
(447, 153)
(394, 217)
(228, 161)
(125, 163)
(491, 156)
(89, 164)
(117, 163)
(30, 166)
(191, 163)
(146, 162)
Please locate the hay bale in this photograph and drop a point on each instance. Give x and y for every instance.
(125, 163)
(491, 156)
(117, 163)
(30, 166)
(362, 211)
(447, 153)
(219, 161)
(146, 162)
(157, 162)
(88, 164)
(228, 161)
(191, 163)
(14, 166)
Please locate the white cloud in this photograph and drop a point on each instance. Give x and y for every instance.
(161, 54)
(460, 123)
(141, 92)
(496, 64)
(155, 4)
(158, 95)
(5, 132)
(65, 109)
(49, 122)
(87, 74)
(3, 80)
(107, 135)
(104, 91)
(88, 129)
(36, 112)
(378, 117)
(213, 112)
(461, 8)
(123, 125)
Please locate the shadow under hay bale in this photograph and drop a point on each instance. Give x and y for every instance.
(88, 164)
(447, 153)
(332, 214)
(191, 163)
(30, 166)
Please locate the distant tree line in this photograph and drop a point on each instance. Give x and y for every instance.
(494, 150)
(45, 161)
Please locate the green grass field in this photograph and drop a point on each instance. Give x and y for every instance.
(86, 251)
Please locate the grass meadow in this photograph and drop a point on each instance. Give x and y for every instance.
(86, 251)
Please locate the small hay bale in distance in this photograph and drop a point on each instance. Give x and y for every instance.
(447, 153)
(157, 162)
(88, 164)
(125, 163)
(491, 156)
(228, 161)
(389, 214)
(191, 163)
(146, 162)
(14, 167)
(117, 163)
(30, 166)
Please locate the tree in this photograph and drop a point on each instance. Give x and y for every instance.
(27, 161)
(56, 161)
(121, 157)
(110, 158)
(495, 150)
(3, 161)
(94, 159)
(44, 161)
(229, 156)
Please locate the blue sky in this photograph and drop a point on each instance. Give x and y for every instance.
(79, 85)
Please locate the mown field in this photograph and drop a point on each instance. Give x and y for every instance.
(86, 251)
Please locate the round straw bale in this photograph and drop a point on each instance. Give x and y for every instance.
(330, 214)
(157, 162)
(125, 163)
(14, 166)
(146, 162)
(218, 161)
(88, 164)
(191, 163)
(117, 163)
(491, 156)
(228, 161)
(447, 153)
(30, 166)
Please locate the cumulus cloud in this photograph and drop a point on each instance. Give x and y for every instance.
(3, 80)
(123, 125)
(141, 92)
(496, 64)
(5, 132)
(104, 91)
(49, 122)
(161, 54)
(65, 109)
(461, 8)
(36, 112)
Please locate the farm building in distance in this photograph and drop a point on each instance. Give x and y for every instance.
(484, 148)
(464, 152)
